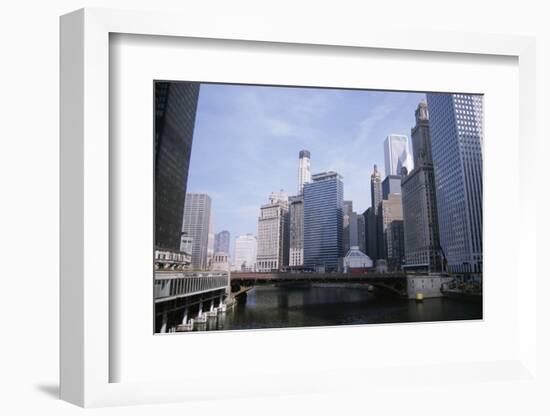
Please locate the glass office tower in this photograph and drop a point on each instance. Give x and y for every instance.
(323, 222)
(456, 127)
(175, 113)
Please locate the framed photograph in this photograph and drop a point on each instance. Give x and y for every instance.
(325, 200)
(349, 245)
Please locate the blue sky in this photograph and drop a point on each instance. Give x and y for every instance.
(247, 139)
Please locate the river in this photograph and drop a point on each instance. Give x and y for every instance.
(292, 305)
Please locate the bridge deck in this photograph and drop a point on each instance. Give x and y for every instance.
(314, 277)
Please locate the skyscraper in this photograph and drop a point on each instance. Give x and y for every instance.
(375, 189)
(421, 230)
(296, 230)
(175, 111)
(222, 242)
(273, 233)
(350, 236)
(396, 154)
(456, 127)
(323, 221)
(196, 225)
(371, 222)
(304, 173)
(245, 253)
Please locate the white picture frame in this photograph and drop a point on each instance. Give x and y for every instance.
(85, 351)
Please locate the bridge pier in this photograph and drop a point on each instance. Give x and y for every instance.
(185, 316)
(164, 322)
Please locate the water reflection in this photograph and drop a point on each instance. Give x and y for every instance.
(280, 306)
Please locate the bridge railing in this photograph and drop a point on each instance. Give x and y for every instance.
(179, 284)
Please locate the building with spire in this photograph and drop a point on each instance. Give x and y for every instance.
(421, 229)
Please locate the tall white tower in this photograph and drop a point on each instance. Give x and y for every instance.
(304, 172)
(397, 155)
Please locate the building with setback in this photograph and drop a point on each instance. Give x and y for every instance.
(273, 234)
(323, 222)
(175, 112)
(196, 225)
(456, 130)
(421, 230)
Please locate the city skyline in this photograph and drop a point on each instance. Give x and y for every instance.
(419, 240)
(260, 129)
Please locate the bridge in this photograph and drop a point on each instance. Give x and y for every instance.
(184, 295)
(394, 283)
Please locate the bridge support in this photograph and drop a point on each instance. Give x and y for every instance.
(185, 316)
(200, 308)
(164, 322)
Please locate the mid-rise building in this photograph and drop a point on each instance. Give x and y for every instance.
(396, 154)
(273, 234)
(323, 222)
(175, 113)
(186, 245)
(456, 130)
(246, 247)
(220, 262)
(222, 242)
(197, 222)
(421, 229)
(296, 230)
(390, 229)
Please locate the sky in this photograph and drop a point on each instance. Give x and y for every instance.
(247, 139)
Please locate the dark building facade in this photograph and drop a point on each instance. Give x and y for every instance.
(421, 229)
(175, 113)
(375, 189)
(372, 232)
(296, 230)
(323, 221)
